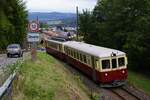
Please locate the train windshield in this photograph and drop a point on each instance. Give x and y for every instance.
(114, 63)
(121, 61)
(106, 64)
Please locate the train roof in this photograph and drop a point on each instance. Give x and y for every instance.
(61, 38)
(58, 39)
(97, 51)
(55, 41)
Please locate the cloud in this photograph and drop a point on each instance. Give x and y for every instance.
(59, 5)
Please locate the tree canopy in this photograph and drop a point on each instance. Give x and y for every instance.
(123, 25)
(13, 22)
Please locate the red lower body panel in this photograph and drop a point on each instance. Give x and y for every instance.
(110, 76)
(56, 53)
(84, 68)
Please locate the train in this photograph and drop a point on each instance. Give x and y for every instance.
(105, 66)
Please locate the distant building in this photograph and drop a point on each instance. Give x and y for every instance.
(70, 29)
(54, 22)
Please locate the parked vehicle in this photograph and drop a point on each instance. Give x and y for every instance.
(14, 49)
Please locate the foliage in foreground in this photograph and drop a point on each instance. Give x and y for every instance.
(123, 25)
(139, 81)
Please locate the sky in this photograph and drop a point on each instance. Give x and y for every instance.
(59, 5)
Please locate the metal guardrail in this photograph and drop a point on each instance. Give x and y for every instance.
(6, 85)
(7, 80)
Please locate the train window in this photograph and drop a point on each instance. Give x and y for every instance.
(60, 48)
(81, 57)
(72, 53)
(88, 60)
(114, 63)
(65, 49)
(97, 64)
(69, 51)
(121, 61)
(77, 55)
(52, 45)
(105, 64)
(84, 58)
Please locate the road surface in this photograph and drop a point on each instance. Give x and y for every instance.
(4, 60)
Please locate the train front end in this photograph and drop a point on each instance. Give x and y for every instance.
(114, 71)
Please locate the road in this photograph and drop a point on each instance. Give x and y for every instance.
(4, 61)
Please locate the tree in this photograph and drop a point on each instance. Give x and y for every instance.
(87, 26)
(13, 22)
(123, 25)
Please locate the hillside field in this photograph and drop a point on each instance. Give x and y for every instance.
(47, 79)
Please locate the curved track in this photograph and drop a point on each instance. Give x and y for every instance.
(124, 94)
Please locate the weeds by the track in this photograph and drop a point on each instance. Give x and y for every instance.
(139, 81)
(46, 79)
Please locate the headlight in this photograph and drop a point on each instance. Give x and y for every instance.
(123, 71)
(106, 74)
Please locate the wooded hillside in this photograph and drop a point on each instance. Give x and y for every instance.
(123, 25)
(13, 22)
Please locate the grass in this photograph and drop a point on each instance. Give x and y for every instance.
(47, 79)
(7, 71)
(139, 81)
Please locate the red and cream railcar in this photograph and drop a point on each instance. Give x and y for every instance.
(105, 66)
(55, 48)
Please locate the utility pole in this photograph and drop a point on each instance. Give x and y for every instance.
(37, 19)
(77, 13)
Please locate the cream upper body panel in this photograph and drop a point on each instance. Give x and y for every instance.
(97, 51)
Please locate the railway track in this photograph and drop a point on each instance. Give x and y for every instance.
(124, 94)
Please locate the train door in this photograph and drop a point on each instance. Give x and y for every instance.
(94, 69)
